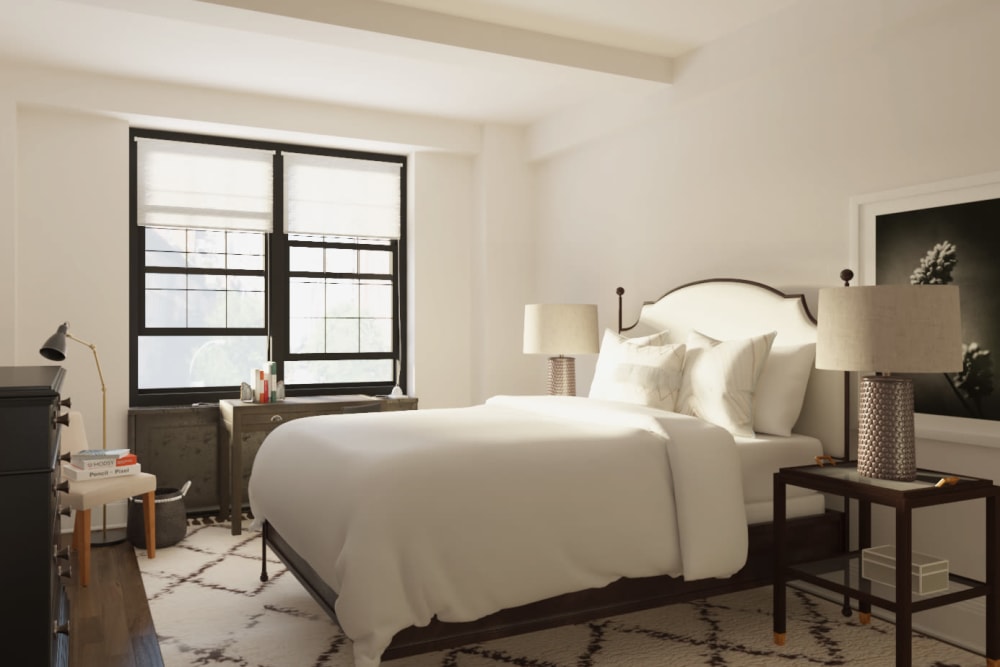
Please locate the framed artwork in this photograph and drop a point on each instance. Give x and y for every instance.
(943, 233)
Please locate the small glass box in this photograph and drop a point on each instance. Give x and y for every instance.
(928, 573)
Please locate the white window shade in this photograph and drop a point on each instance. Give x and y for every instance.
(331, 196)
(204, 186)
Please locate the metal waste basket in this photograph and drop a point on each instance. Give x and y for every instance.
(171, 518)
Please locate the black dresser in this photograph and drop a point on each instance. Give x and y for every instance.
(34, 612)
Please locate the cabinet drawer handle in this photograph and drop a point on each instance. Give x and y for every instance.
(65, 572)
(60, 628)
(276, 419)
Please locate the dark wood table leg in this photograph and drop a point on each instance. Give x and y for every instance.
(236, 482)
(864, 541)
(223, 489)
(846, 609)
(778, 502)
(992, 583)
(904, 594)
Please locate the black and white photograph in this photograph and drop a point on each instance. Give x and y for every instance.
(951, 245)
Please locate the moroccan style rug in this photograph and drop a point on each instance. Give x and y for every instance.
(210, 608)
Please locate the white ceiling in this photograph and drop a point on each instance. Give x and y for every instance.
(509, 61)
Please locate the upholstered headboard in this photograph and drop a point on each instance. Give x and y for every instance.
(728, 308)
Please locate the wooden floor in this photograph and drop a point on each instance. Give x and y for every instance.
(110, 625)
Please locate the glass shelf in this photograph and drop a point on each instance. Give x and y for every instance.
(842, 574)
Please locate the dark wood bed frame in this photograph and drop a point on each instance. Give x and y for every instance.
(808, 538)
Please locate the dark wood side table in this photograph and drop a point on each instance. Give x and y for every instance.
(243, 427)
(843, 574)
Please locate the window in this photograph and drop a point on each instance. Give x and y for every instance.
(247, 252)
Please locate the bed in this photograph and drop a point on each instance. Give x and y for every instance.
(549, 510)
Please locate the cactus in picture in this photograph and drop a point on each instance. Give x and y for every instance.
(935, 268)
(975, 380)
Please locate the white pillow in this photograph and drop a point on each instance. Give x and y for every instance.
(645, 371)
(781, 388)
(720, 378)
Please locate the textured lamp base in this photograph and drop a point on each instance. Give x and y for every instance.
(885, 428)
(562, 376)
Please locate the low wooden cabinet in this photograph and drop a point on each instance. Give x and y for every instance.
(243, 427)
(34, 611)
(180, 444)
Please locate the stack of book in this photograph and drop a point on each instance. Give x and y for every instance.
(100, 464)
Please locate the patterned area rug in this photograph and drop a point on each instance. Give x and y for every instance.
(210, 608)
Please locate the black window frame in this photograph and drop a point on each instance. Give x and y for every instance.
(277, 277)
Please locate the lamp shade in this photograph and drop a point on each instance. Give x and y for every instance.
(890, 329)
(563, 328)
(54, 348)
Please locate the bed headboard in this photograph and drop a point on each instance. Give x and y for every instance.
(727, 308)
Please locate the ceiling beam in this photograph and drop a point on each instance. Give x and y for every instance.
(434, 27)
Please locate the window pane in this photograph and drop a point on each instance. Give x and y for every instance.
(342, 299)
(376, 299)
(171, 259)
(206, 309)
(206, 260)
(305, 259)
(342, 335)
(305, 298)
(207, 249)
(245, 309)
(245, 243)
(201, 281)
(346, 370)
(246, 262)
(207, 241)
(245, 251)
(165, 281)
(198, 361)
(166, 308)
(376, 261)
(245, 283)
(305, 237)
(305, 335)
(158, 238)
(376, 335)
(341, 260)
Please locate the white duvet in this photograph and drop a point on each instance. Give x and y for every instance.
(459, 513)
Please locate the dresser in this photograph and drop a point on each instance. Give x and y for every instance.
(243, 427)
(34, 611)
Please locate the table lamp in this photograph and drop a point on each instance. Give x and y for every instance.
(888, 329)
(560, 329)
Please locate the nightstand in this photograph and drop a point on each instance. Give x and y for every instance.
(243, 427)
(843, 574)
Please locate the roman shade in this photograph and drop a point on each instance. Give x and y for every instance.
(183, 184)
(334, 196)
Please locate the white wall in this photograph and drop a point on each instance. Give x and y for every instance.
(503, 275)
(747, 166)
(72, 254)
(441, 270)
